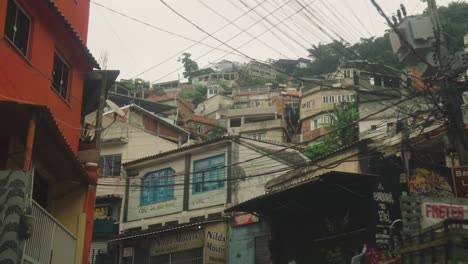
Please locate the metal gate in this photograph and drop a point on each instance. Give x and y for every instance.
(50, 242)
(262, 250)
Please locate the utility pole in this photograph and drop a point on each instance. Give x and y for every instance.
(451, 95)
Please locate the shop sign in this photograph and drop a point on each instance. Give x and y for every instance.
(127, 252)
(101, 212)
(433, 213)
(460, 181)
(245, 219)
(383, 200)
(215, 243)
(176, 242)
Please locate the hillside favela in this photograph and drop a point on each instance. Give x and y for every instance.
(234, 132)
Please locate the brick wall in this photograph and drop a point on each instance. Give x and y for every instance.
(192, 127)
(150, 124)
(165, 130)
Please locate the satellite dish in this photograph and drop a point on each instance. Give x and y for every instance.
(115, 108)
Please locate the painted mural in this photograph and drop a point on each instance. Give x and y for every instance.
(426, 182)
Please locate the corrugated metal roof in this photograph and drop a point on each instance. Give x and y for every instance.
(48, 132)
(73, 33)
(163, 230)
(163, 154)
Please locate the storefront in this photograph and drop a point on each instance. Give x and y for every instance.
(249, 240)
(326, 220)
(197, 243)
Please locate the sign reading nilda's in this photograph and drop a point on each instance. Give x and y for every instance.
(177, 242)
(215, 243)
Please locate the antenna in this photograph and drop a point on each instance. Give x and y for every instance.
(117, 112)
(115, 108)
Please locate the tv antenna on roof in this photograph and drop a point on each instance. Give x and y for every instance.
(115, 108)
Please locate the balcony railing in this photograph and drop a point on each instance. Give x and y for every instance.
(50, 242)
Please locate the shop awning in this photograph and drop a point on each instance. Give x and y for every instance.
(164, 229)
(330, 188)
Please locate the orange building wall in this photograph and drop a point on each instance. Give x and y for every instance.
(77, 13)
(28, 79)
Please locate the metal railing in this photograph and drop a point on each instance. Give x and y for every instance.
(50, 242)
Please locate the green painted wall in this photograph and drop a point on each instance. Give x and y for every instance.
(242, 241)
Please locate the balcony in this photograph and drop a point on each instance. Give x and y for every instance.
(261, 125)
(257, 111)
(50, 242)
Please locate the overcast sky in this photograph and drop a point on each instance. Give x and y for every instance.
(273, 29)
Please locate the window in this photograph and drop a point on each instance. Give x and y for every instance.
(60, 76)
(208, 174)
(157, 186)
(309, 104)
(326, 119)
(109, 165)
(260, 136)
(17, 27)
(373, 127)
(314, 124)
(325, 99)
(328, 99)
(352, 97)
(199, 128)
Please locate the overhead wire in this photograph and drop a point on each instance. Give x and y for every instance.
(198, 42)
(232, 22)
(237, 50)
(263, 24)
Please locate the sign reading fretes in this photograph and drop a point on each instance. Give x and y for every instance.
(460, 181)
(433, 213)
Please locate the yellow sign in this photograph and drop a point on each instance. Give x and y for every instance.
(176, 242)
(101, 212)
(215, 243)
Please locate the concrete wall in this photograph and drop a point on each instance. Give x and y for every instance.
(200, 204)
(248, 181)
(136, 211)
(253, 175)
(212, 105)
(136, 144)
(242, 241)
(211, 198)
(319, 106)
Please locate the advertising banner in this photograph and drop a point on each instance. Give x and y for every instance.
(244, 219)
(433, 213)
(460, 181)
(216, 243)
(177, 242)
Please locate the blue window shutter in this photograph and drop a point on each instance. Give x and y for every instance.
(157, 186)
(208, 174)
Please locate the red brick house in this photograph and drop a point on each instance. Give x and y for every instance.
(199, 125)
(185, 108)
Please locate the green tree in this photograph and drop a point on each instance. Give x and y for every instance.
(249, 81)
(327, 57)
(454, 21)
(137, 83)
(196, 96)
(190, 66)
(342, 133)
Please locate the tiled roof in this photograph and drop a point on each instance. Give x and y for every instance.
(168, 97)
(73, 34)
(188, 147)
(201, 119)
